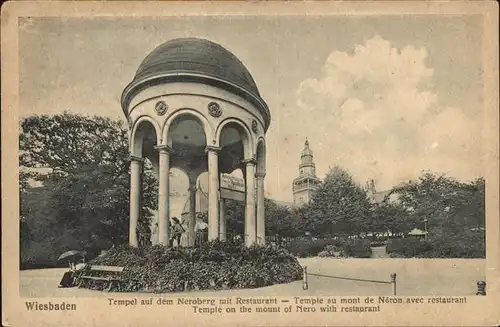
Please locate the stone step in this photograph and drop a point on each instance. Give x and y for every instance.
(379, 252)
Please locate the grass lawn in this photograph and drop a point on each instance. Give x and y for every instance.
(414, 277)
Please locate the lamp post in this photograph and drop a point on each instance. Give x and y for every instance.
(425, 228)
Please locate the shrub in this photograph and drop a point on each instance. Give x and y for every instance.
(305, 247)
(463, 245)
(442, 244)
(308, 247)
(332, 251)
(213, 265)
(357, 248)
(378, 243)
(409, 247)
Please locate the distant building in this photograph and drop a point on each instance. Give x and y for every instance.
(375, 196)
(307, 182)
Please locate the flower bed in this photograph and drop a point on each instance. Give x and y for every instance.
(213, 265)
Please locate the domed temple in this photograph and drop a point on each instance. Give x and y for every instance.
(192, 105)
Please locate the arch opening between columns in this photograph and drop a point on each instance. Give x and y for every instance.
(143, 140)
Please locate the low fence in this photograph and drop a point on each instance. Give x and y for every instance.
(481, 285)
(305, 283)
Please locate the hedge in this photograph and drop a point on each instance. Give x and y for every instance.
(358, 248)
(213, 265)
(307, 247)
(464, 245)
(408, 247)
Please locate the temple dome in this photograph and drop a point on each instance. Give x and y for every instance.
(195, 60)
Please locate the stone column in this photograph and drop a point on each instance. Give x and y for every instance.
(222, 219)
(213, 192)
(135, 198)
(164, 194)
(250, 228)
(261, 223)
(192, 214)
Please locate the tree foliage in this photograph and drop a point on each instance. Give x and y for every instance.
(235, 217)
(339, 206)
(67, 143)
(392, 217)
(280, 220)
(449, 206)
(83, 165)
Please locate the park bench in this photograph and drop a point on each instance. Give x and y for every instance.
(112, 275)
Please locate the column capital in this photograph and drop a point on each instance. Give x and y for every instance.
(211, 148)
(164, 148)
(136, 159)
(260, 175)
(250, 161)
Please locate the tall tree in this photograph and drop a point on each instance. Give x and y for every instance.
(339, 206)
(67, 143)
(83, 165)
(280, 219)
(444, 202)
(392, 217)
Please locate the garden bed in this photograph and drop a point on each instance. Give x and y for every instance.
(213, 265)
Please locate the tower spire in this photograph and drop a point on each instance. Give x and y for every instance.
(306, 182)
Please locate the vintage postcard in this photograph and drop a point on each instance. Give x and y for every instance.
(250, 164)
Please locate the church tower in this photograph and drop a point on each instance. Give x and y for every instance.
(307, 182)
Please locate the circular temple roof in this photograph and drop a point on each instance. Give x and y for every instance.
(195, 60)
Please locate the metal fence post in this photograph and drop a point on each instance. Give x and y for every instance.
(305, 286)
(393, 281)
(481, 287)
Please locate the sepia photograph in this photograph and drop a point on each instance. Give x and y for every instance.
(252, 156)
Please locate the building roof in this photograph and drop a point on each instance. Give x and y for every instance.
(196, 60)
(416, 232)
(307, 150)
(379, 197)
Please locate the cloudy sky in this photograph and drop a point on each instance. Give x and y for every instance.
(383, 96)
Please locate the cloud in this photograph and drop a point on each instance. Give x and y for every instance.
(373, 111)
